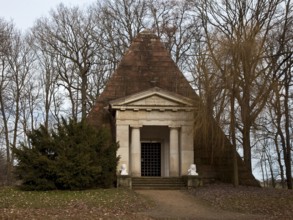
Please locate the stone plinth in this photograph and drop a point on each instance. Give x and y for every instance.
(124, 181)
(193, 181)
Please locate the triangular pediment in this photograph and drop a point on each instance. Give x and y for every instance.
(154, 98)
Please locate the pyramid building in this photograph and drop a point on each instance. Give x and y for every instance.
(154, 114)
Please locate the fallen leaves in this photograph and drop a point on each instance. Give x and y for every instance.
(126, 204)
(88, 204)
(274, 203)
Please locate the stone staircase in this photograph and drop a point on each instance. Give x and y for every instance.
(160, 183)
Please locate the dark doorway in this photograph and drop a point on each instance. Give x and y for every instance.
(150, 159)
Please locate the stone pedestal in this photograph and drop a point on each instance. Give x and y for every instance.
(124, 181)
(193, 181)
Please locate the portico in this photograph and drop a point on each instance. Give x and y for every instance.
(154, 129)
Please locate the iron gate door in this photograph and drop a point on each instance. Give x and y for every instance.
(150, 159)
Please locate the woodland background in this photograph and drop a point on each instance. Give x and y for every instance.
(236, 54)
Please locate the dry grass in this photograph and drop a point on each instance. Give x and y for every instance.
(126, 204)
(88, 204)
(274, 203)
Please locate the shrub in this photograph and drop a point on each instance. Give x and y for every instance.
(74, 156)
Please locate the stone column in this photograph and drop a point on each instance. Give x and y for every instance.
(122, 137)
(135, 151)
(174, 151)
(187, 152)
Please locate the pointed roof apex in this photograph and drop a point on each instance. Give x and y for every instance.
(147, 32)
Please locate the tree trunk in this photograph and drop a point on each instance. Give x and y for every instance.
(280, 161)
(5, 124)
(83, 94)
(246, 146)
(287, 150)
(233, 136)
(246, 121)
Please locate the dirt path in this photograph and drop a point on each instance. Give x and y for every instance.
(175, 204)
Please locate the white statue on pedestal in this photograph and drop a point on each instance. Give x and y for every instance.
(192, 170)
(123, 170)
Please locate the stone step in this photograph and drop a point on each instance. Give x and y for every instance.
(168, 183)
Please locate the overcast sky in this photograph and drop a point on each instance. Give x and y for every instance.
(25, 12)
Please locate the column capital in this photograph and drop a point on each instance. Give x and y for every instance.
(135, 126)
(174, 126)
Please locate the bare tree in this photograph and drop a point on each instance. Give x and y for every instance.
(281, 110)
(121, 21)
(118, 22)
(6, 33)
(242, 30)
(47, 78)
(174, 22)
(67, 35)
(16, 64)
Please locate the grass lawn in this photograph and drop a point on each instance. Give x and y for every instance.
(275, 203)
(125, 204)
(87, 204)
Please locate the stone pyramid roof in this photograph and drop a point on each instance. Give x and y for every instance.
(146, 64)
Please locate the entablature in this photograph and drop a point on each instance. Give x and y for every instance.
(154, 99)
